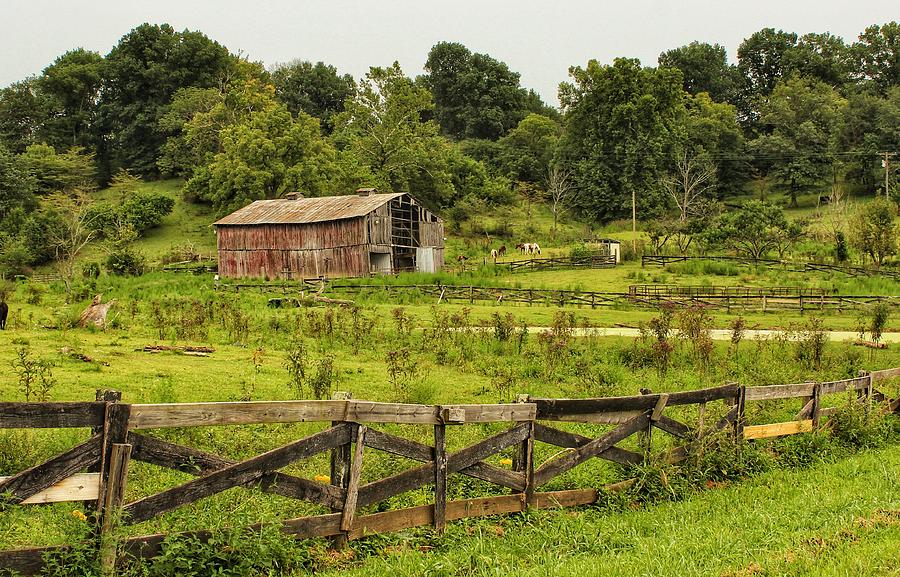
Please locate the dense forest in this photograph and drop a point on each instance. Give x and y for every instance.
(796, 114)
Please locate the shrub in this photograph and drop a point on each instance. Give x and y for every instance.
(125, 261)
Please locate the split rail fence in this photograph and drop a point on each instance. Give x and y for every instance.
(855, 271)
(96, 470)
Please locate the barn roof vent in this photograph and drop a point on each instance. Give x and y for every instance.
(293, 196)
(366, 191)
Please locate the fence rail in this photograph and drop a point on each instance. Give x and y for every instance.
(117, 437)
(855, 271)
(561, 262)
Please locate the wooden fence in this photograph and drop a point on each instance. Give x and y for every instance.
(753, 299)
(561, 262)
(855, 271)
(118, 435)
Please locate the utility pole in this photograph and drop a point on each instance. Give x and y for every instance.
(886, 163)
(634, 220)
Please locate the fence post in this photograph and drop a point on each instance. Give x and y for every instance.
(440, 477)
(115, 431)
(353, 482)
(340, 466)
(523, 459)
(102, 396)
(741, 402)
(112, 499)
(817, 402)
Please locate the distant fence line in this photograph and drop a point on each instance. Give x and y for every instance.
(855, 271)
(724, 298)
(115, 441)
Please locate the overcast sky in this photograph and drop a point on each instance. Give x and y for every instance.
(539, 39)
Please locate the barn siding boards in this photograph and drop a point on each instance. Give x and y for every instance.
(331, 237)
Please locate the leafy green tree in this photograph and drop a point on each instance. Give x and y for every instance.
(475, 96)
(143, 72)
(527, 152)
(73, 82)
(316, 89)
(802, 118)
(386, 128)
(196, 117)
(764, 59)
(870, 125)
(17, 185)
(60, 172)
(712, 129)
(24, 108)
(877, 56)
(824, 57)
(704, 68)
(622, 124)
(873, 232)
(267, 155)
(754, 229)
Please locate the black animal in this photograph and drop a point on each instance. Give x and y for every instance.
(4, 310)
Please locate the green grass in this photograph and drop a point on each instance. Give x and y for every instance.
(833, 519)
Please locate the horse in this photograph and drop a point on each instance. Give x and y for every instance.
(4, 310)
(494, 254)
(502, 250)
(521, 248)
(535, 249)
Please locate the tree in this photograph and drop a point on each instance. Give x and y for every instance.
(824, 57)
(877, 56)
(267, 155)
(24, 108)
(316, 89)
(872, 230)
(622, 124)
(754, 229)
(143, 71)
(385, 128)
(559, 190)
(763, 58)
(693, 181)
(60, 172)
(527, 152)
(73, 81)
(704, 68)
(17, 186)
(713, 129)
(475, 96)
(72, 232)
(802, 117)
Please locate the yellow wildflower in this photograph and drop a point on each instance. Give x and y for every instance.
(322, 478)
(79, 515)
(506, 461)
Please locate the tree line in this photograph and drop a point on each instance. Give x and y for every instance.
(796, 114)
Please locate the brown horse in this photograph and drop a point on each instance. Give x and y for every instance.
(4, 310)
(502, 250)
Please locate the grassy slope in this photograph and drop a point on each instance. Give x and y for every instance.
(839, 519)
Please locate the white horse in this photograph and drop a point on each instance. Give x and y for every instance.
(535, 249)
(494, 254)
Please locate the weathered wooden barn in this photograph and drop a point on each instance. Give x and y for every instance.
(353, 235)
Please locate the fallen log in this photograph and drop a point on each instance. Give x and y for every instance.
(870, 344)
(189, 350)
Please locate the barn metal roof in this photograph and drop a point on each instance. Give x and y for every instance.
(306, 210)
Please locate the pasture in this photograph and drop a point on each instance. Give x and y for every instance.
(418, 353)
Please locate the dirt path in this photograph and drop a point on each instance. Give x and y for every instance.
(717, 334)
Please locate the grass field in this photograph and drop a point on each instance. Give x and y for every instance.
(835, 519)
(769, 525)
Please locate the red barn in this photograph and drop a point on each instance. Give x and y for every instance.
(332, 236)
